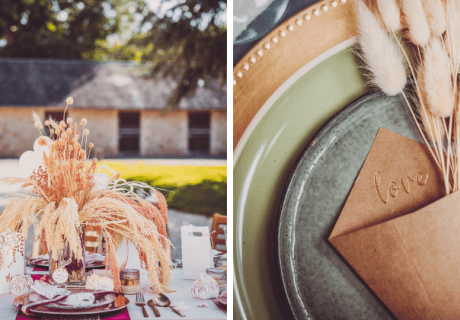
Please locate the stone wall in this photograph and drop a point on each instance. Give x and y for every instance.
(164, 134)
(103, 130)
(218, 133)
(17, 131)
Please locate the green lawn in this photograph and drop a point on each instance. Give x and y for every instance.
(198, 189)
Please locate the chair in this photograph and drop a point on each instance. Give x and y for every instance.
(92, 241)
(218, 237)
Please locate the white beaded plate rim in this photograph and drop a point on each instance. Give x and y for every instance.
(283, 30)
(285, 86)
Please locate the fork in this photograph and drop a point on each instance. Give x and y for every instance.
(141, 302)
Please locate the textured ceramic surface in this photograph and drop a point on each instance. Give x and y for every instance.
(261, 172)
(318, 281)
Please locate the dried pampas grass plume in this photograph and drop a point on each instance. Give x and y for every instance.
(419, 31)
(37, 120)
(389, 11)
(437, 82)
(54, 124)
(436, 16)
(380, 54)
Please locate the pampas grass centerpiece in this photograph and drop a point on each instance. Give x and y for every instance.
(64, 200)
(418, 42)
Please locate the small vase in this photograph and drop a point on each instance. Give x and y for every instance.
(67, 269)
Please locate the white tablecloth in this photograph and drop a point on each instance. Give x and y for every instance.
(182, 287)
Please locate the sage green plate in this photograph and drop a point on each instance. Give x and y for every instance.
(317, 280)
(261, 170)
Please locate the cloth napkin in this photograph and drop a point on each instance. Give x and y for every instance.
(48, 291)
(79, 299)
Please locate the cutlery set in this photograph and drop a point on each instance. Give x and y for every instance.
(159, 300)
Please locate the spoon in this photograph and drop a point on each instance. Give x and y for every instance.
(163, 301)
(152, 304)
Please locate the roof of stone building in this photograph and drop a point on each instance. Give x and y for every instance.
(101, 85)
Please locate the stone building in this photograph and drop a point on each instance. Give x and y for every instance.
(128, 115)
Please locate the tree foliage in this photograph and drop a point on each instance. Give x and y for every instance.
(190, 42)
(53, 29)
(182, 39)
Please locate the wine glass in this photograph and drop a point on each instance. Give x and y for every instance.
(252, 19)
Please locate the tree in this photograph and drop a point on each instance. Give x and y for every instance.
(65, 29)
(189, 42)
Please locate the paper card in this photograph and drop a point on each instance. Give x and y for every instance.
(402, 242)
(196, 251)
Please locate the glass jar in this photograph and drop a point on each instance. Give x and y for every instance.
(220, 276)
(130, 281)
(221, 263)
(67, 269)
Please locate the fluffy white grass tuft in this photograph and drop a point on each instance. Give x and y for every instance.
(391, 17)
(436, 16)
(419, 30)
(380, 53)
(437, 82)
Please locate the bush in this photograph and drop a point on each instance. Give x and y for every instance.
(195, 189)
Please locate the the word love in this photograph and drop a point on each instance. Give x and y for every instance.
(384, 192)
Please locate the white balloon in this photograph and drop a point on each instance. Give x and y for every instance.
(30, 161)
(40, 149)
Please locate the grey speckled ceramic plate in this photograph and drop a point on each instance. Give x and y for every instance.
(318, 282)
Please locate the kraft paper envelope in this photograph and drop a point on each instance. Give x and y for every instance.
(399, 232)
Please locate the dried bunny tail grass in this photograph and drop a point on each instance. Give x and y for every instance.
(389, 11)
(452, 39)
(379, 53)
(436, 16)
(431, 124)
(437, 81)
(19, 214)
(419, 31)
(117, 218)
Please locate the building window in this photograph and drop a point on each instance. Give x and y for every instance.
(57, 117)
(129, 131)
(199, 124)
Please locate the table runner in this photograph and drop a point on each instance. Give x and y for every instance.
(116, 315)
(219, 305)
